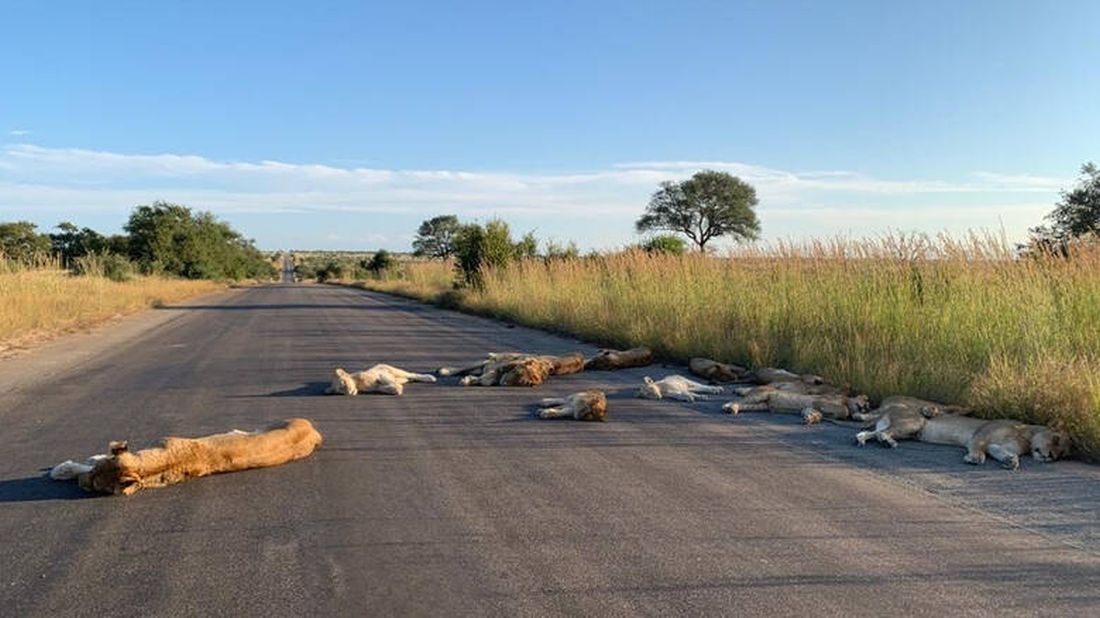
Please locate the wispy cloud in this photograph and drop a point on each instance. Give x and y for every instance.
(36, 179)
(19, 132)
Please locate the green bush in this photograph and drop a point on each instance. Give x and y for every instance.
(665, 243)
(113, 266)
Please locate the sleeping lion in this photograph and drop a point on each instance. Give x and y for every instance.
(516, 369)
(676, 387)
(814, 402)
(380, 378)
(582, 406)
(620, 359)
(122, 472)
(905, 418)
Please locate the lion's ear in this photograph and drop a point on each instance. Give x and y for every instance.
(117, 447)
(648, 380)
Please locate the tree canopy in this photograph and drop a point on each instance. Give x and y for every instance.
(436, 237)
(1077, 214)
(707, 205)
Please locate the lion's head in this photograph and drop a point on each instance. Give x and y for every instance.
(1048, 445)
(342, 383)
(111, 474)
(595, 408)
(859, 404)
(649, 390)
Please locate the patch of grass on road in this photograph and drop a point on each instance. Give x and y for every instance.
(959, 322)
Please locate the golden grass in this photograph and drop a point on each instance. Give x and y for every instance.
(39, 304)
(958, 322)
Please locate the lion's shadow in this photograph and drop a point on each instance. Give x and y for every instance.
(40, 488)
(308, 389)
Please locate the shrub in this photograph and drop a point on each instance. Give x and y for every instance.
(665, 243)
(114, 267)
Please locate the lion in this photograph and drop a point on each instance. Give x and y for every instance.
(907, 418)
(771, 375)
(607, 359)
(529, 371)
(897, 418)
(516, 369)
(717, 372)
(676, 387)
(380, 378)
(812, 402)
(582, 406)
(122, 472)
(1002, 439)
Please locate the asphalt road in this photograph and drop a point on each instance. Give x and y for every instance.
(456, 501)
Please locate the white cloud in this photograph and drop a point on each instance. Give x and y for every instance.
(597, 206)
(19, 132)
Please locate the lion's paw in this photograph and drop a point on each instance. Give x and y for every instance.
(732, 408)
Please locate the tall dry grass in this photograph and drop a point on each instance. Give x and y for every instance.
(42, 301)
(950, 320)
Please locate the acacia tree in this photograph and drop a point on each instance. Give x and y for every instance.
(707, 205)
(436, 237)
(1077, 215)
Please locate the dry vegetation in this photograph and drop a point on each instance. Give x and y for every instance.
(42, 302)
(953, 321)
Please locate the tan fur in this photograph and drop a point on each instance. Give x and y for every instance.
(676, 387)
(770, 375)
(620, 359)
(1003, 440)
(901, 418)
(830, 403)
(517, 369)
(897, 418)
(717, 372)
(380, 378)
(178, 459)
(582, 406)
(567, 364)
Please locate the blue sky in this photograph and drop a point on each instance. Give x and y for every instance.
(343, 125)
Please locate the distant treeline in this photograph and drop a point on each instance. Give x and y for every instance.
(160, 239)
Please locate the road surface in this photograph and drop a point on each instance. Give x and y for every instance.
(456, 501)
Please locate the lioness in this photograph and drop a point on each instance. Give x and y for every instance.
(380, 378)
(1003, 440)
(716, 371)
(897, 418)
(620, 359)
(771, 375)
(582, 406)
(676, 387)
(831, 403)
(122, 472)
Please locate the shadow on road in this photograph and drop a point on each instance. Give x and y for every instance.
(309, 389)
(40, 488)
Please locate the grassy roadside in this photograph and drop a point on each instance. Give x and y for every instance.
(958, 322)
(37, 305)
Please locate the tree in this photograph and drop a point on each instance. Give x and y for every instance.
(435, 237)
(485, 246)
(71, 242)
(1076, 216)
(380, 262)
(168, 238)
(20, 241)
(703, 207)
